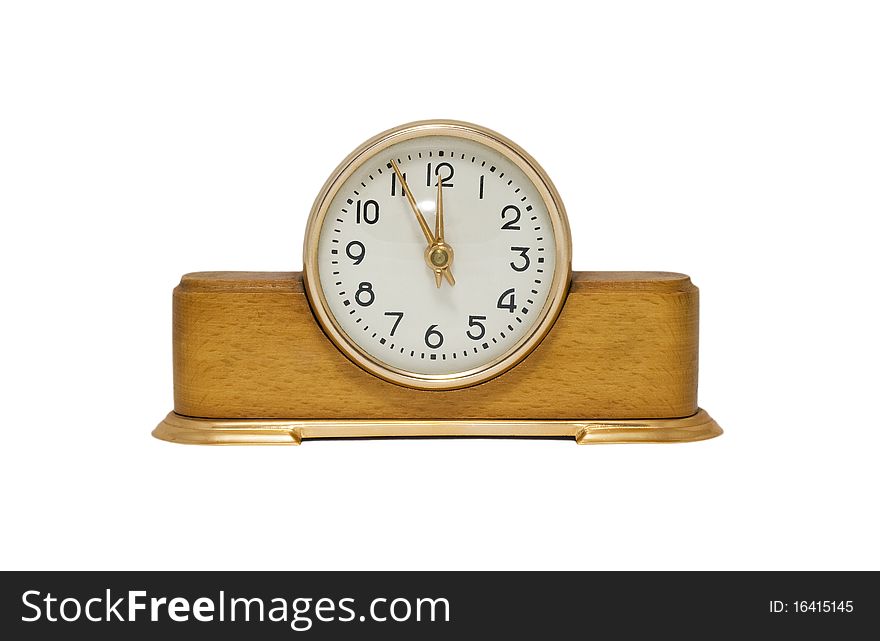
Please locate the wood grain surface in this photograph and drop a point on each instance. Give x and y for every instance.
(247, 346)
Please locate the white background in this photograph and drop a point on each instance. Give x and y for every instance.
(736, 142)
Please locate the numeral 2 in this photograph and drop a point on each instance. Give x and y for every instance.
(511, 210)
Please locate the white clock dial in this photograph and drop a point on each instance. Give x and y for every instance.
(376, 279)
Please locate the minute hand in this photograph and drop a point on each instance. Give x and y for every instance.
(412, 203)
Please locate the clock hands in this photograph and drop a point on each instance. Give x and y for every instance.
(438, 222)
(438, 254)
(412, 203)
(438, 234)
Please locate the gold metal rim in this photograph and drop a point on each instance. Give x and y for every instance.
(202, 431)
(558, 289)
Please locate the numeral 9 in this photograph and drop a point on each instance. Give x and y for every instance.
(356, 251)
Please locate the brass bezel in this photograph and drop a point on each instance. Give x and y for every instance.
(558, 288)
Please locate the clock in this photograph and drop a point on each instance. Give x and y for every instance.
(436, 298)
(437, 255)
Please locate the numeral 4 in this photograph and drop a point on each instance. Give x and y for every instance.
(507, 300)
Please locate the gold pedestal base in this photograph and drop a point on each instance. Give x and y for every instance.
(200, 431)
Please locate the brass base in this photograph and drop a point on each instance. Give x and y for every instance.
(200, 431)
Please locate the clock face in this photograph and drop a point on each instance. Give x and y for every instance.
(438, 255)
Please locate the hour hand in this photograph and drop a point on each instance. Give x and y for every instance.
(441, 252)
(438, 222)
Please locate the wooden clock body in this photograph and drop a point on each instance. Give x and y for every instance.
(252, 366)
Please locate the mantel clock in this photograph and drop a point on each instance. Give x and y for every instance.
(436, 299)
